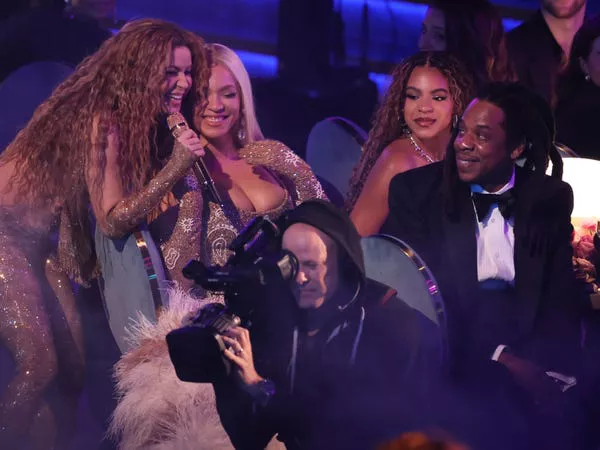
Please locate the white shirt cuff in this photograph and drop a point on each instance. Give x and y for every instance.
(498, 352)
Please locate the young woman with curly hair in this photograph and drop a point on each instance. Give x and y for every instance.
(412, 128)
(93, 141)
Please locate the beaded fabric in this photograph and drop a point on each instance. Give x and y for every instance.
(204, 230)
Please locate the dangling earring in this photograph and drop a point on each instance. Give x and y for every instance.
(241, 133)
(455, 121)
(404, 130)
(587, 77)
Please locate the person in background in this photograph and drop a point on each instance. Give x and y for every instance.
(50, 30)
(471, 30)
(578, 93)
(412, 128)
(541, 46)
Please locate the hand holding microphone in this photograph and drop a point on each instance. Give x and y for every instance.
(186, 137)
(195, 144)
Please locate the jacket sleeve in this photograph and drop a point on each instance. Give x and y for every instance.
(555, 339)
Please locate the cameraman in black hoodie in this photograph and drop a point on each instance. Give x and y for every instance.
(357, 361)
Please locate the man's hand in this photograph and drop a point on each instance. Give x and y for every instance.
(240, 353)
(544, 391)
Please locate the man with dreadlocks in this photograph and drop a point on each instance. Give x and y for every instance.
(498, 238)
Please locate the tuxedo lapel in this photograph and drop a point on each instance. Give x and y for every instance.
(461, 246)
(528, 268)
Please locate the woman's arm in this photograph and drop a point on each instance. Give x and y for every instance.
(371, 208)
(118, 214)
(297, 176)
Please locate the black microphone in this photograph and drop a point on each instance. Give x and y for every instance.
(177, 124)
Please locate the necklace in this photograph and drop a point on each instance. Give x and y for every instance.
(422, 153)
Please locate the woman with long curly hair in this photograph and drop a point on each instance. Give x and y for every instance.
(253, 177)
(471, 30)
(412, 128)
(93, 141)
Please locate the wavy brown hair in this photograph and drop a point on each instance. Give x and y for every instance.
(475, 35)
(117, 87)
(389, 123)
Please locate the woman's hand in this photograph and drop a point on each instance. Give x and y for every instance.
(240, 353)
(189, 140)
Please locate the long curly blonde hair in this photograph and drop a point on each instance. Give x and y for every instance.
(389, 123)
(118, 86)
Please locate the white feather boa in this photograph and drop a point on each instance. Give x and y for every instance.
(157, 411)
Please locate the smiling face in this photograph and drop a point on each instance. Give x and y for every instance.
(433, 31)
(178, 79)
(222, 113)
(428, 106)
(482, 153)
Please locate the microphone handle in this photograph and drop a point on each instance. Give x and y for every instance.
(205, 180)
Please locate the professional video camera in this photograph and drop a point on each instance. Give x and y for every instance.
(257, 269)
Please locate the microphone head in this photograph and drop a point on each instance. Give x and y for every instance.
(176, 122)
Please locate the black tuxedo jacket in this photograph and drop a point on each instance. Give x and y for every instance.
(541, 320)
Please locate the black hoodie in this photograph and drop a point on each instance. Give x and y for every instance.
(336, 224)
(338, 388)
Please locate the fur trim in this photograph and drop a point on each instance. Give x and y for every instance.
(157, 411)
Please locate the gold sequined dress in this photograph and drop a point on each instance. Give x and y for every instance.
(203, 230)
(39, 325)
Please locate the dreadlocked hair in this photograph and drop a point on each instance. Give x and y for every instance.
(389, 123)
(117, 87)
(528, 121)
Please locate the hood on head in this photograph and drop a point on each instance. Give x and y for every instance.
(336, 224)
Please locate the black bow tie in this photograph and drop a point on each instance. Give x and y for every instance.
(483, 203)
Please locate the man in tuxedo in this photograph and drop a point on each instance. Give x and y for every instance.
(498, 238)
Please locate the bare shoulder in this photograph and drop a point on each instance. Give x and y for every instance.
(398, 156)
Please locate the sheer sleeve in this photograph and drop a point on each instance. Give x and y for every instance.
(298, 177)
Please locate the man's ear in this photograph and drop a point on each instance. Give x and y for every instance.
(518, 151)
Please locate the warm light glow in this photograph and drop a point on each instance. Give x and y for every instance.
(584, 177)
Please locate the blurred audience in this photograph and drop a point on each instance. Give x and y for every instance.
(49, 30)
(421, 441)
(412, 128)
(472, 30)
(540, 47)
(578, 93)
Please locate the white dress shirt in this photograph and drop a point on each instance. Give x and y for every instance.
(495, 258)
(495, 240)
